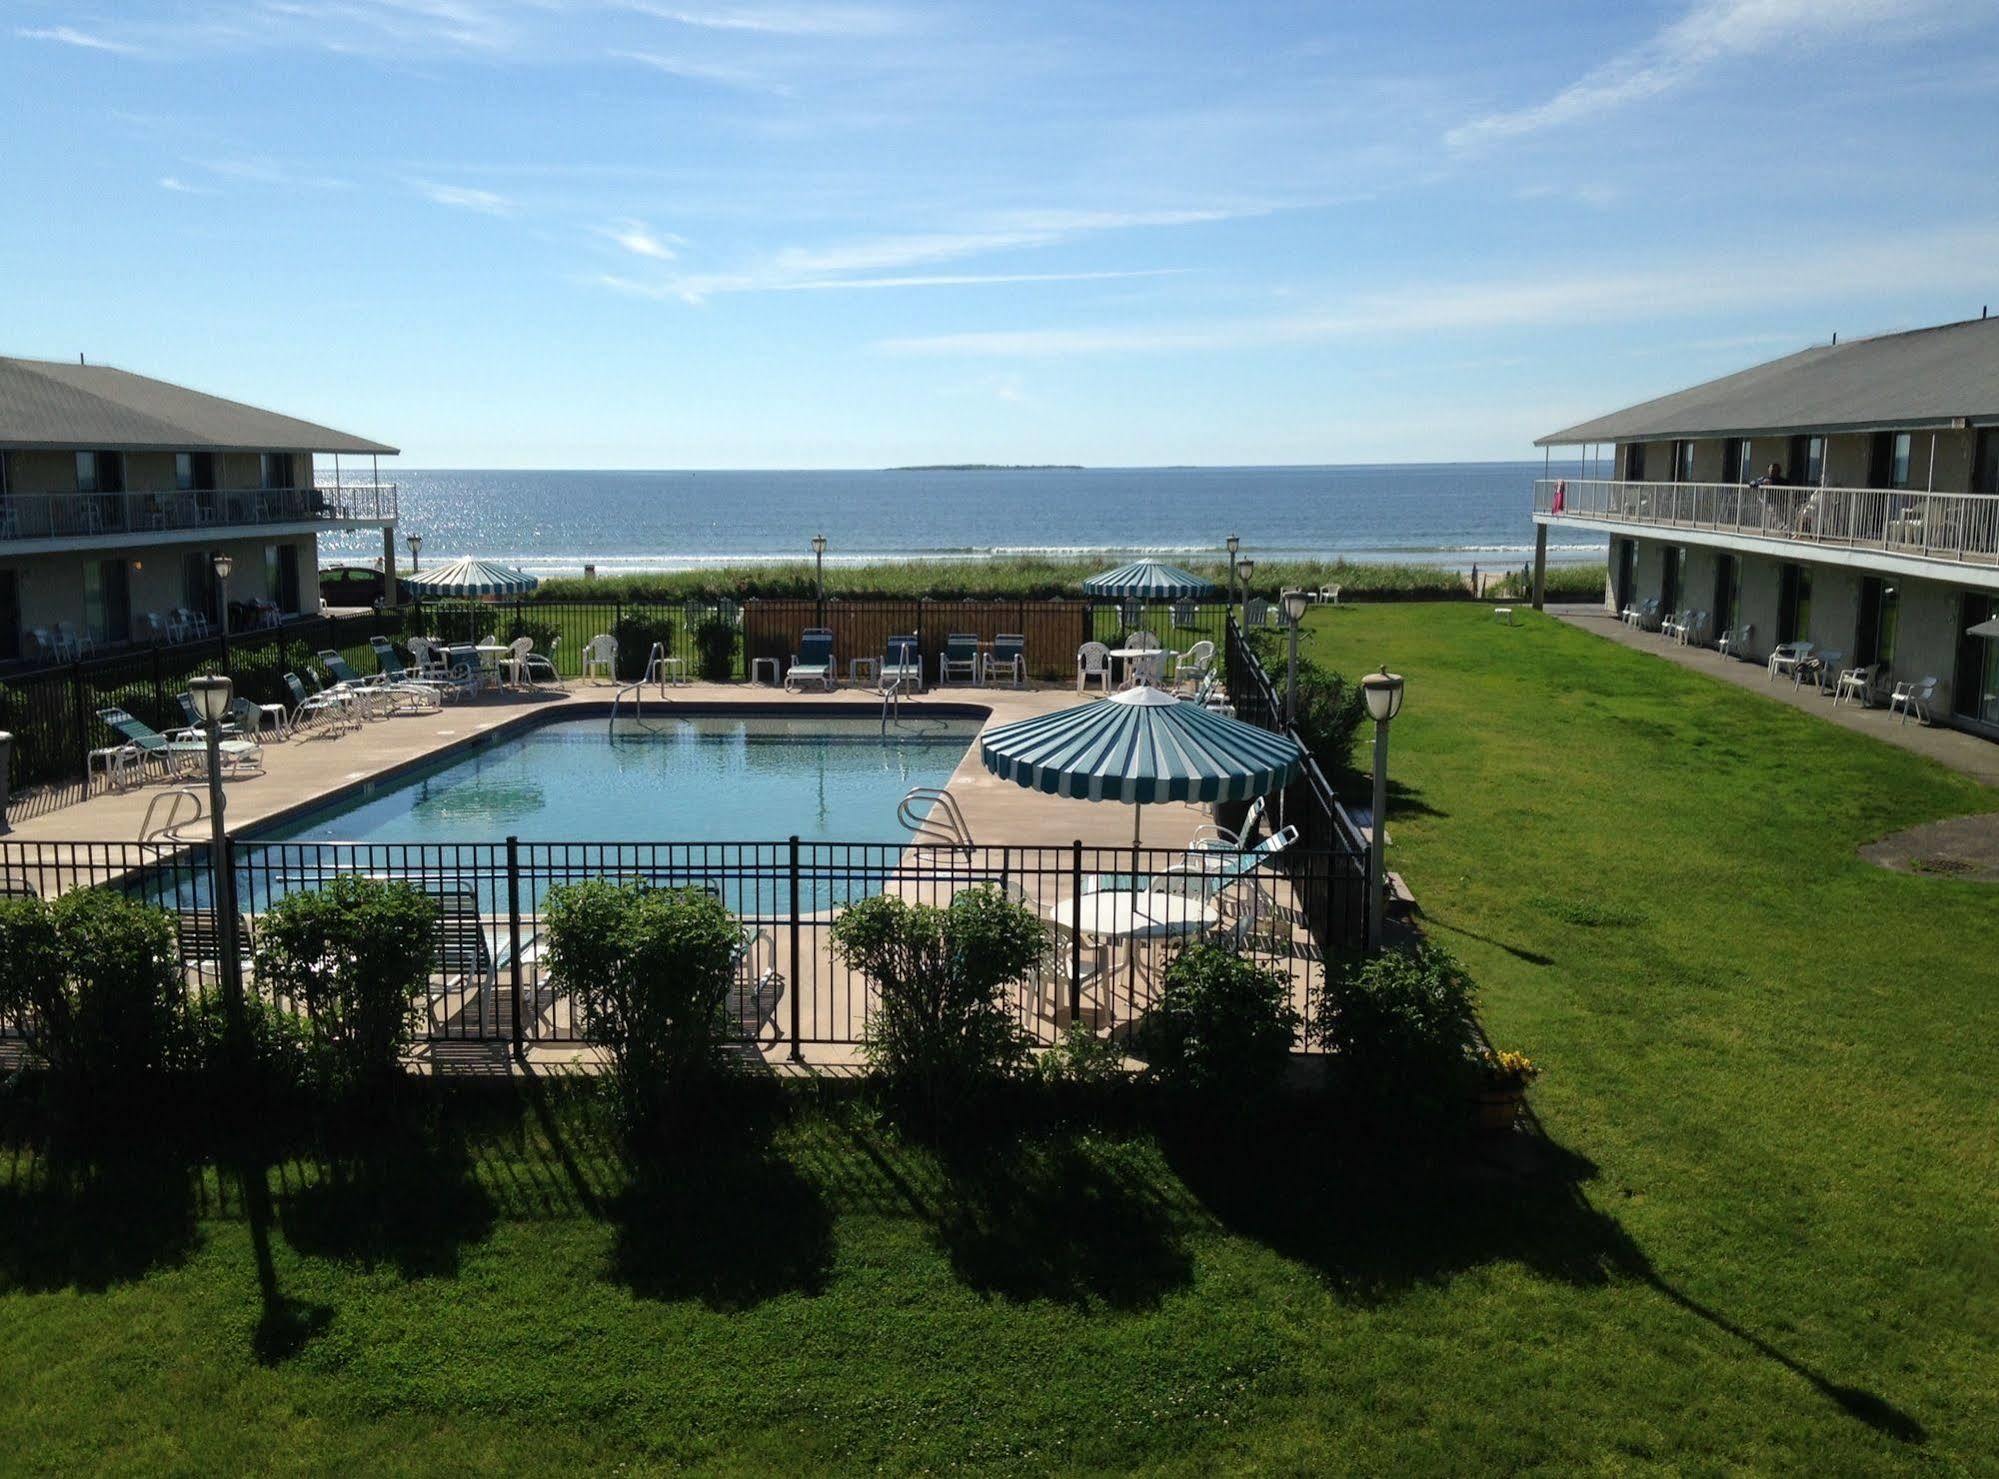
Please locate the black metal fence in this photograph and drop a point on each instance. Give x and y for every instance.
(1309, 804)
(1115, 916)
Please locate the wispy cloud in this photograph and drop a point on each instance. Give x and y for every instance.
(1711, 31)
(464, 198)
(181, 187)
(778, 20)
(642, 241)
(885, 261)
(270, 172)
(70, 36)
(693, 71)
(698, 289)
(1877, 269)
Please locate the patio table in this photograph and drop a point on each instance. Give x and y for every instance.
(1128, 655)
(1119, 915)
(492, 655)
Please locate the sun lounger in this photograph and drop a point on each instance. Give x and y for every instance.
(902, 662)
(183, 753)
(1008, 659)
(959, 659)
(813, 662)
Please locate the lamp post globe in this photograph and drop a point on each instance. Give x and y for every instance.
(1383, 692)
(1293, 603)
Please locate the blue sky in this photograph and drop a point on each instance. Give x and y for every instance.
(685, 233)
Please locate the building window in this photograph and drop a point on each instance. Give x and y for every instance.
(274, 470)
(1807, 469)
(1985, 463)
(107, 609)
(1683, 462)
(1889, 624)
(100, 472)
(194, 472)
(1898, 460)
(1738, 463)
(1634, 462)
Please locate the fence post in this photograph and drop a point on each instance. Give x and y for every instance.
(796, 985)
(514, 937)
(1076, 930)
(79, 713)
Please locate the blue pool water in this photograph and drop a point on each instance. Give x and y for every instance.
(709, 778)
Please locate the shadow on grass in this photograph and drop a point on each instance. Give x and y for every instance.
(1061, 1218)
(712, 1211)
(391, 1187)
(89, 1223)
(1379, 1215)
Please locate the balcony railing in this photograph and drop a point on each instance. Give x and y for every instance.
(76, 515)
(1961, 528)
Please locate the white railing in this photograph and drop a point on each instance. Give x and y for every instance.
(73, 515)
(1961, 528)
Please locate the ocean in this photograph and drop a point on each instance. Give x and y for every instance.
(554, 523)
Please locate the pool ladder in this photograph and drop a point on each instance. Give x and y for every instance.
(655, 673)
(151, 826)
(891, 704)
(940, 824)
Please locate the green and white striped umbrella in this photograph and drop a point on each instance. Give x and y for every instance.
(1143, 746)
(470, 577)
(1149, 580)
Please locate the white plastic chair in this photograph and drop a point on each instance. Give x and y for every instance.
(1093, 660)
(600, 656)
(1214, 837)
(1192, 665)
(1786, 658)
(1856, 683)
(1914, 698)
(525, 665)
(1735, 641)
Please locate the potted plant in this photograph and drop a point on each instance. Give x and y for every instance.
(1503, 1079)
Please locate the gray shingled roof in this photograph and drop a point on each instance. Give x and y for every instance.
(49, 404)
(1925, 377)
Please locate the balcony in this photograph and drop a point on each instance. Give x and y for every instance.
(1894, 526)
(94, 519)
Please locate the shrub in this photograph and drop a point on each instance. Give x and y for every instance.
(1402, 1023)
(544, 633)
(636, 632)
(652, 969)
(356, 954)
(715, 641)
(1081, 1056)
(93, 981)
(276, 1062)
(1223, 1025)
(943, 1025)
(1330, 708)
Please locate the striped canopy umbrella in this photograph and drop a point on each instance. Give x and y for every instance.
(1142, 746)
(1149, 580)
(470, 577)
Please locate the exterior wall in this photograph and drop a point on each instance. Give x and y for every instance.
(50, 587)
(1848, 460)
(1926, 631)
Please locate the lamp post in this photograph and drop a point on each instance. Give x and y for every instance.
(415, 542)
(1383, 691)
(819, 571)
(211, 700)
(1243, 570)
(1294, 617)
(1234, 543)
(223, 565)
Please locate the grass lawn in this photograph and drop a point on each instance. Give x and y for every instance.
(1763, 1235)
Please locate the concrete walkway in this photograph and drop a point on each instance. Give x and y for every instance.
(1965, 753)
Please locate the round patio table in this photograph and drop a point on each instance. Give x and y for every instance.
(1128, 655)
(1115, 914)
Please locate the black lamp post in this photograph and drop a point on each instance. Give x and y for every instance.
(223, 565)
(415, 542)
(1294, 617)
(819, 567)
(1234, 543)
(212, 695)
(1383, 691)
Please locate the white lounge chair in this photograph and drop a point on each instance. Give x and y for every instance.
(959, 659)
(526, 666)
(1914, 698)
(1214, 837)
(1855, 683)
(814, 661)
(1735, 641)
(1007, 659)
(1093, 661)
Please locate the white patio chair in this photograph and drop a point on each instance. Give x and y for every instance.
(1786, 658)
(1855, 683)
(1143, 639)
(1093, 661)
(1735, 641)
(1192, 665)
(600, 656)
(1914, 698)
(528, 666)
(1214, 837)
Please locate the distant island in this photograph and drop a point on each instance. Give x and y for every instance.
(992, 467)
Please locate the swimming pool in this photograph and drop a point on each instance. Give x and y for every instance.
(704, 778)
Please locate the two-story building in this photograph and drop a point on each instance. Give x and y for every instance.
(119, 492)
(1846, 495)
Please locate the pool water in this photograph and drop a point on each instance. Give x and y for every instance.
(708, 778)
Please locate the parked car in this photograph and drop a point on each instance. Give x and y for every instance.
(350, 585)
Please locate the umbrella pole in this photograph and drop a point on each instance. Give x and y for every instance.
(1137, 814)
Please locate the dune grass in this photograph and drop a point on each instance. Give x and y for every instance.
(1758, 1235)
(1020, 578)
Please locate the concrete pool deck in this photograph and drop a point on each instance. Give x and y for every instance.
(306, 772)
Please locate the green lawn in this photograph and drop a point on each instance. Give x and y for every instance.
(1762, 1234)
